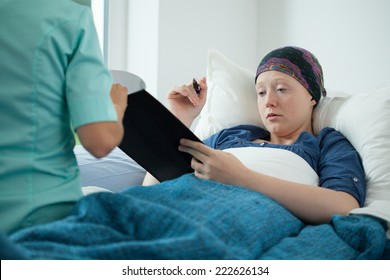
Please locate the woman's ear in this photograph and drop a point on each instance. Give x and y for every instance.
(313, 102)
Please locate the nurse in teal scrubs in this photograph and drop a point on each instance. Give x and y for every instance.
(52, 80)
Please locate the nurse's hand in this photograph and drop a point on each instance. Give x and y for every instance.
(118, 95)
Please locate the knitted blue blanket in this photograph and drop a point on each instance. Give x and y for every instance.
(190, 218)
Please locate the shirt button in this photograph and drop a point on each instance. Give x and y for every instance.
(355, 180)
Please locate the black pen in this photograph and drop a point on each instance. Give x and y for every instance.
(196, 86)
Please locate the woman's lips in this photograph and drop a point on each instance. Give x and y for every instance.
(272, 116)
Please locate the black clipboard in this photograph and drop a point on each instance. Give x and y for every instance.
(152, 135)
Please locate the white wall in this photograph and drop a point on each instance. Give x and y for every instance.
(166, 41)
(118, 41)
(188, 28)
(143, 45)
(133, 38)
(351, 38)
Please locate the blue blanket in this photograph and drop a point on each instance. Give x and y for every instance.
(190, 218)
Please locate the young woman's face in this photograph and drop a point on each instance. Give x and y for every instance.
(284, 104)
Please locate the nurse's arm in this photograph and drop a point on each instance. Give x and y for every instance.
(101, 138)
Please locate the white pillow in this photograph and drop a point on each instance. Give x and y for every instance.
(232, 98)
(295, 168)
(364, 120)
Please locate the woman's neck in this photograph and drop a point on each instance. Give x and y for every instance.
(289, 138)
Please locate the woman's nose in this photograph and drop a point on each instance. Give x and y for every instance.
(270, 99)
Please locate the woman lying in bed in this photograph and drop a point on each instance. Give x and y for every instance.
(266, 189)
(289, 83)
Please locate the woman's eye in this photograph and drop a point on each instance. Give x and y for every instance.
(261, 93)
(281, 90)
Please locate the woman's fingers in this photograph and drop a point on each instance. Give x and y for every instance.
(196, 149)
(185, 91)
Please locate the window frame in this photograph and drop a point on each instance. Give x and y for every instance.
(100, 12)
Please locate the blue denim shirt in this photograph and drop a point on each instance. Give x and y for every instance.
(330, 154)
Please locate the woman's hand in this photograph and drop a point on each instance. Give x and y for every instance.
(214, 164)
(185, 103)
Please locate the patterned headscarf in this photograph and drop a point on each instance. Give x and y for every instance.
(299, 64)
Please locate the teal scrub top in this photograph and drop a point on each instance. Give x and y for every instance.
(53, 78)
